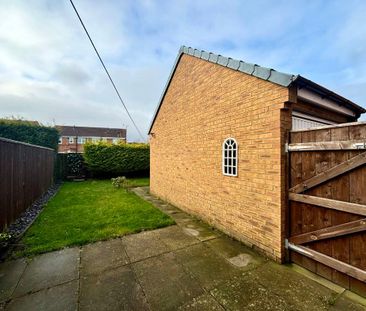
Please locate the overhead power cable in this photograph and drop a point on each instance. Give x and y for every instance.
(106, 70)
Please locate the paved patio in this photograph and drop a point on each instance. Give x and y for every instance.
(187, 266)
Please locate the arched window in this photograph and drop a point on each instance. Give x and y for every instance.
(230, 157)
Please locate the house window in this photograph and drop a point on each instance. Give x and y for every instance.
(115, 140)
(71, 140)
(81, 140)
(230, 157)
(60, 140)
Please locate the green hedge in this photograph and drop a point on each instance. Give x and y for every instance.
(29, 132)
(117, 160)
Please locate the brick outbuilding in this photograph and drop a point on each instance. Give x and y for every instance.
(218, 140)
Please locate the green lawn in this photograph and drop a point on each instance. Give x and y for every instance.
(83, 212)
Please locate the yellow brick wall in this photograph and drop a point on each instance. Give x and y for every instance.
(204, 105)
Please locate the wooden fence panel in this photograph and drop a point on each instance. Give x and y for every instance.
(26, 172)
(350, 186)
(358, 195)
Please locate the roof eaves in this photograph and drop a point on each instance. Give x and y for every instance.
(301, 81)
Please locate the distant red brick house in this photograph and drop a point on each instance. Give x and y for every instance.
(73, 138)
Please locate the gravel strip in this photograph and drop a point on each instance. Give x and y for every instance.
(17, 228)
(25, 220)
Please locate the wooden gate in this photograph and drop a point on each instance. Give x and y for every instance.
(327, 216)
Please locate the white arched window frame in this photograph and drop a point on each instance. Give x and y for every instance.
(230, 157)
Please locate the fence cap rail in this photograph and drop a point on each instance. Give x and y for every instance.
(330, 126)
(7, 140)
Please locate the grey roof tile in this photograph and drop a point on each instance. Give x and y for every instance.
(262, 72)
(213, 58)
(205, 55)
(233, 64)
(223, 60)
(197, 53)
(246, 67)
(191, 51)
(278, 77)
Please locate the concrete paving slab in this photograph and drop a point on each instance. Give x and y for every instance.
(175, 238)
(10, 273)
(103, 255)
(342, 304)
(179, 216)
(111, 290)
(315, 277)
(236, 253)
(143, 245)
(168, 208)
(354, 297)
(242, 294)
(164, 206)
(301, 292)
(166, 283)
(202, 303)
(182, 218)
(58, 298)
(207, 267)
(200, 230)
(49, 270)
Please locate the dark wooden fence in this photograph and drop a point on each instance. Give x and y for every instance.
(328, 203)
(26, 172)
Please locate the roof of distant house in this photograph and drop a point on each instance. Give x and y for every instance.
(264, 73)
(91, 131)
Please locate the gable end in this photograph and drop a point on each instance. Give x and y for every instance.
(255, 70)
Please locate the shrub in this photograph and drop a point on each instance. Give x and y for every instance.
(29, 132)
(5, 237)
(105, 159)
(120, 181)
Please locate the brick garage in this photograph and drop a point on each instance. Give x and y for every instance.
(209, 98)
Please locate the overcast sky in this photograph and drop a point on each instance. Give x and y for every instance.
(49, 72)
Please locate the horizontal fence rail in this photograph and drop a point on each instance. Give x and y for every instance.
(26, 172)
